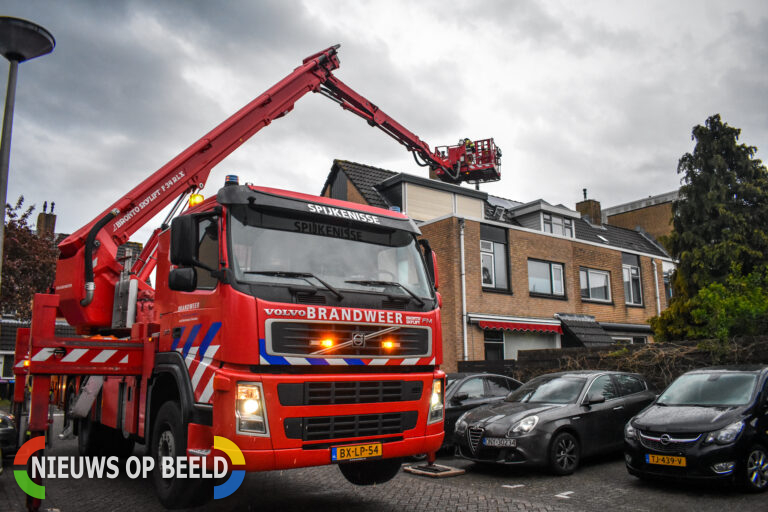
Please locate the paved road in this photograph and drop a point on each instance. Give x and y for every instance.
(602, 485)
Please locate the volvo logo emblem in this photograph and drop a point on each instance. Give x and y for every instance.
(665, 439)
(358, 339)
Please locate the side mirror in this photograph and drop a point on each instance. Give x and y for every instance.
(184, 238)
(183, 279)
(459, 397)
(431, 260)
(594, 398)
(435, 273)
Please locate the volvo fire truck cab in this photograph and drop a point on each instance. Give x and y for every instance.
(309, 329)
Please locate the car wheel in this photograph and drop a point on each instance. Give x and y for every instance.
(370, 472)
(564, 454)
(755, 473)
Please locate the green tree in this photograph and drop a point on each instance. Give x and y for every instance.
(720, 236)
(29, 262)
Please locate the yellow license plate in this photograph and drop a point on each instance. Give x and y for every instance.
(356, 451)
(665, 460)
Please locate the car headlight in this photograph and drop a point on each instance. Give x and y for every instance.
(249, 409)
(524, 426)
(630, 432)
(725, 435)
(436, 405)
(461, 423)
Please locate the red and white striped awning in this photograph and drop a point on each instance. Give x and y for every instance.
(520, 326)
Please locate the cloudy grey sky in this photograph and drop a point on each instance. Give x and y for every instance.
(595, 94)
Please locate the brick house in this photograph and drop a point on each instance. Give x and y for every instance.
(653, 214)
(517, 276)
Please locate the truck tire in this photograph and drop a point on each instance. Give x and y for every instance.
(169, 439)
(370, 472)
(89, 438)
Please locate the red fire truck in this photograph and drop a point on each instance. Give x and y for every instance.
(304, 329)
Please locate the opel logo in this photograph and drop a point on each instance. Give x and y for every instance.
(665, 439)
(358, 339)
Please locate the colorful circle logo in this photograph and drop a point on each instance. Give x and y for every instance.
(22, 478)
(236, 457)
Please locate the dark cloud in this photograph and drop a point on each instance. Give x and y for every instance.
(578, 95)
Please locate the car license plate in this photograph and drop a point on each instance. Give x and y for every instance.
(665, 460)
(499, 442)
(355, 452)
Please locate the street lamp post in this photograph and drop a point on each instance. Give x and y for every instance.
(20, 40)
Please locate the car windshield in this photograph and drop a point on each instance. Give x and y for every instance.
(710, 389)
(278, 250)
(549, 390)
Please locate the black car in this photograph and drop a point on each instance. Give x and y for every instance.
(465, 391)
(554, 420)
(8, 434)
(709, 424)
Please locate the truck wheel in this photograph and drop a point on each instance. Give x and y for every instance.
(169, 439)
(564, 454)
(89, 437)
(754, 474)
(370, 472)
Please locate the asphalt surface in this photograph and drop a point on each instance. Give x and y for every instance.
(600, 485)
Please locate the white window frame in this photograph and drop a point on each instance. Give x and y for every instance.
(552, 266)
(568, 224)
(486, 252)
(502, 342)
(589, 288)
(628, 269)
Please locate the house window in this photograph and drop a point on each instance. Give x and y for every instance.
(493, 257)
(494, 345)
(632, 285)
(558, 225)
(595, 284)
(545, 278)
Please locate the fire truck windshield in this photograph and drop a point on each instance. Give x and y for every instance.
(273, 248)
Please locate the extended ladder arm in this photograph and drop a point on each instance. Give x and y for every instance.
(91, 250)
(349, 100)
(187, 171)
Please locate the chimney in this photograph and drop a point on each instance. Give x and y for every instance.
(590, 209)
(46, 222)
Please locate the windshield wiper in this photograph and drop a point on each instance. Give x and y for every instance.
(300, 275)
(387, 283)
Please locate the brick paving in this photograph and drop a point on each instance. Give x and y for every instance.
(600, 485)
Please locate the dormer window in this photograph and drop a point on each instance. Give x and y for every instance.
(558, 225)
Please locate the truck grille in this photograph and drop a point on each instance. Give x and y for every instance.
(339, 427)
(474, 435)
(303, 339)
(668, 442)
(354, 392)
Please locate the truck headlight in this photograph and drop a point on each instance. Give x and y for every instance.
(436, 405)
(725, 435)
(523, 426)
(249, 409)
